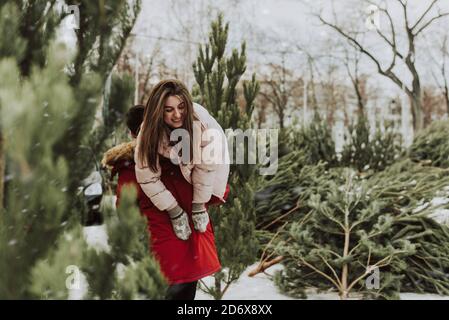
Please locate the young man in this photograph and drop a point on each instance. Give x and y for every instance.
(120, 159)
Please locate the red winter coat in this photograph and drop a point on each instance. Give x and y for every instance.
(180, 261)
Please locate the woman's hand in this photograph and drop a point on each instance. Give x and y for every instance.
(200, 217)
(180, 222)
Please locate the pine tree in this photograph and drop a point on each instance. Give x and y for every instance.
(355, 223)
(123, 270)
(46, 118)
(315, 140)
(128, 240)
(332, 226)
(50, 274)
(38, 21)
(336, 243)
(98, 50)
(35, 197)
(14, 47)
(431, 145)
(217, 79)
(28, 36)
(99, 45)
(286, 192)
(374, 152)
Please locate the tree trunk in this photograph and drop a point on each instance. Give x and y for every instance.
(360, 104)
(218, 293)
(345, 270)
(281, 116)
(314, 100)
(417, 111)
(446, 98)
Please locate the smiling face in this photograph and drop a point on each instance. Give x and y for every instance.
(174, 112)
(169, 106)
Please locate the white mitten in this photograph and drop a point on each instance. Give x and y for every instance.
(180, 223)
(200, 217)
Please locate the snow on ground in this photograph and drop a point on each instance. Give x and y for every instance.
(418, 296)
(440, 215)
(97, 237)
(260, 287)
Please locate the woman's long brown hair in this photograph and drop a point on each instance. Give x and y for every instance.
(153, 125)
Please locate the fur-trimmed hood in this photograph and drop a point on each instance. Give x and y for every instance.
(121, 153)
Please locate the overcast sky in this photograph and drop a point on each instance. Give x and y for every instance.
(268, 26)
(274, 26)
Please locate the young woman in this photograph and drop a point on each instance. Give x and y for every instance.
(181, 182)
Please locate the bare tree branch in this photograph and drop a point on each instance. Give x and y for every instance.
(424, 14)
(388, 73)
(441, 15)
(392, 42)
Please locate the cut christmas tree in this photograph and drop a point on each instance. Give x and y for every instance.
(360, 235)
